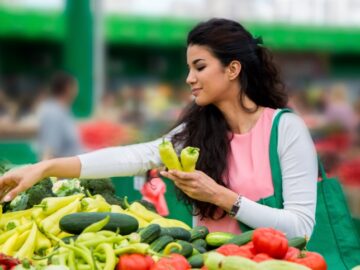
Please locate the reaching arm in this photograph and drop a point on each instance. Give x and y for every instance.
(115, 161)
(18, 180)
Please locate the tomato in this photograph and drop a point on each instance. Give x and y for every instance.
(292, 253)
(313, 260)
(134, 261)
(249, 246)
(271, 242)
(234, 250)
(173, 261)
(261, 257)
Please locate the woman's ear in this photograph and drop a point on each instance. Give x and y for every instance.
(234, 69)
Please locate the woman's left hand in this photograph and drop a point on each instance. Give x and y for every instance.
(196, 185)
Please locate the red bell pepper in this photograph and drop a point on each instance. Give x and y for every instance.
(134, 262)
(313, 260)
(172, 262)
(8, 262)
(271, 242)
(234, 250)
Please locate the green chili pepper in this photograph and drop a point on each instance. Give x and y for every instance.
(110, 261)
(168, 156)
(71, 257)
(140, 248)
(189, 156)
(105, 233)
(82, 252)
(71, 260)
(97, 226)
(94, 242)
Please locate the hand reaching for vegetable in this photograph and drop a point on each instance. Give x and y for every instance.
(18, 180)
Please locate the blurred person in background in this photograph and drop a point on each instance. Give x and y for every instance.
(58, 133)
(3, 100)
(338, 109)
(357, 128)
(237, 95)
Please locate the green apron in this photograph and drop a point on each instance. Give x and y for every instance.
(334, 235)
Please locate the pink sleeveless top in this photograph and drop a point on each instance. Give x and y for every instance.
(249, 169)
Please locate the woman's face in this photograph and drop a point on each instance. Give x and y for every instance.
(207, 76)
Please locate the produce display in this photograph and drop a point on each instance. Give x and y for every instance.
(85, 232)
(82, 225)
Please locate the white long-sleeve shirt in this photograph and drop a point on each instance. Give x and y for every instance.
(298, 163)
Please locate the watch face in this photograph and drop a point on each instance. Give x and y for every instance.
(234, 210)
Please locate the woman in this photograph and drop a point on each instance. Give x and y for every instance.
(236, 92)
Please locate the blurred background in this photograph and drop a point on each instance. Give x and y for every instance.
(128, 59)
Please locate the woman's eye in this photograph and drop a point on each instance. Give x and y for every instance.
(200, 68)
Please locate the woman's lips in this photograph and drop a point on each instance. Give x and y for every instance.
(195, 91)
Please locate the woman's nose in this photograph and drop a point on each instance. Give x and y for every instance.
(190, 79)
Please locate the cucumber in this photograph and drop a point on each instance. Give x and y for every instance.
(199, 243)
(150, 233)
(176, 233)
(161, 242)
(298, 242)
(75, 223)
(241, 239)
(216, 239)
(196, 261)
(199, 249)
(198, 232)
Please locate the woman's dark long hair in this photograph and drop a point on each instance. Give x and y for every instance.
(205, 126)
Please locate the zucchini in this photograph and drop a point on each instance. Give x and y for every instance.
(298, 242)
(150, 233)
(186, 248)
(176, 233)
(199, 243)
(161, 242)
(241, 239)
(198, 232)
(196, 261)
(216, 239)
(75, 223)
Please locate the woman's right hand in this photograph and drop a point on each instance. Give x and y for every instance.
(18, 180)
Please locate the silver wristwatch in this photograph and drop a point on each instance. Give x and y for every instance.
(236, 206)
